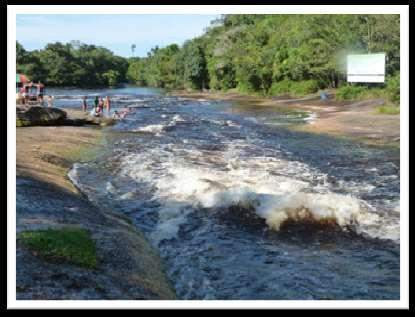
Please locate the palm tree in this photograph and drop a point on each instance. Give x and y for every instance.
(133, 49)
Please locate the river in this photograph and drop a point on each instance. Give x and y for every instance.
(240, 206)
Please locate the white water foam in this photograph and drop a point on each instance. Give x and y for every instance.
(177, 118)
(152, 128)
(311, 118)
(278, 189)
(252, 119)
(73, 175)
(133, 100)
(158, 129)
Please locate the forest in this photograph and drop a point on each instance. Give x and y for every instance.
(72, 66)
(257, 54)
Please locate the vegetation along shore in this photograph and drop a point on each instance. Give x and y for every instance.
(254, 57)
(265, 55)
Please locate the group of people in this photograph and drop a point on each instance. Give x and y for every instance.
(122, 113)
(48, 101)
(102, 107)
(99, 105)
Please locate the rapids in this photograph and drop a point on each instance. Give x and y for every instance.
(241, 207)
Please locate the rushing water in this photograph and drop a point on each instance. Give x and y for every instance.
(241, 207)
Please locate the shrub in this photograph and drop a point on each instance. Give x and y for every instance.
(296, 88)
(390, 92)
(280, 87)
(349, 92)
(388, 110)
(393, 88)
(73, 245)
(304, 87)
(244, 88)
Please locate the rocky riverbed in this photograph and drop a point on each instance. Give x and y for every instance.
(350, 119)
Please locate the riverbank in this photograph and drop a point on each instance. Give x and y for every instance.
(358, 119)
(126, 266)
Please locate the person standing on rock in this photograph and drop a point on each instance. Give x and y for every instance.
(50, 101)
(41, 101)
(101, 105)
(96, 101)
(84, 105)
(107, 104)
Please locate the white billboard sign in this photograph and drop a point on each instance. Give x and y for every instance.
(367, 68)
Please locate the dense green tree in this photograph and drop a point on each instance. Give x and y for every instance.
(195, 68)
(264, 54)
(161, 68)
(22, 56)
(272, 53)
(137, 71)
(66, 65)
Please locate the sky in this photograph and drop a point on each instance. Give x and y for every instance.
(115, 32)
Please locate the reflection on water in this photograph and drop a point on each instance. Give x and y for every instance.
(242, 208)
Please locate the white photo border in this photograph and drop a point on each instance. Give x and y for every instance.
(13, 10)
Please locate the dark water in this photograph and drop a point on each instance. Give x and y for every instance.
(240, 207)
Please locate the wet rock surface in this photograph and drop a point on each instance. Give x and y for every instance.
(128, 268)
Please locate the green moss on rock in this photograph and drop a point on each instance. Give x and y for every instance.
(73, 245)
